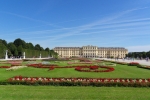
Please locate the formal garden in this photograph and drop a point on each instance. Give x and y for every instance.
(74, 78)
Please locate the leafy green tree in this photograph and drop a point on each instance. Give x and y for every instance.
(148, 54)
(3, 49)
(37, 47)
(144, 54)
(31, 46)
(9, 53)
(20, 50)
(3, 42)
(16, 53)
(41, 49)
(19, 42)
(53, 54)
(12, 48)
(47, 49)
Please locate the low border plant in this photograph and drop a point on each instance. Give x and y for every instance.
(128, 82)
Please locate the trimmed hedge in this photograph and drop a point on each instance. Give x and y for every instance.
(127, 82)
(142, 66)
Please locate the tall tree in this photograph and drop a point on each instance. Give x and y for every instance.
(4, 42)
(12, 48)
(29, 46)
(41, 49)
(47, 49)
(53, 54)
(144, 54)
(3, 49)
(20, 50)
(16, 53)
(37, 47)
(19, 42)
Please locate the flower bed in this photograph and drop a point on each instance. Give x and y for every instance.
(52, 67)
(122, 63)
(4, 66)
(15, 68)
(78, 68)
(133, 63)
(31, 62)
(148, 67)
(143, 66)
(94, 69)
(40, 65)
(80, 81)
(15, 62)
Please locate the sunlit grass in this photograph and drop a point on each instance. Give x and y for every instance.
(20, 92)
(121, 71)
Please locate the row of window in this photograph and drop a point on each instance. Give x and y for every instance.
(93, 51)
(87, 49)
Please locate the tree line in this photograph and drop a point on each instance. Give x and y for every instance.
(16, 49)
(138, 54)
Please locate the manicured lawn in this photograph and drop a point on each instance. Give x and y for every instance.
(121, 71)
(3, 64)
(20, 92)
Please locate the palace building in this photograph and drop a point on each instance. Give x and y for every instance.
(91, 52)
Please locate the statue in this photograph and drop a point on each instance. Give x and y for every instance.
(6, 56)
(40, 55)
(24, 55)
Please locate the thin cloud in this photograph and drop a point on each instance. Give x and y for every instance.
(79, 30)
(100, 22)
(31, 19)
(100, 29)
(84, 27)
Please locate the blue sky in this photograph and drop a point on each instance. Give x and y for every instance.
(53, 23)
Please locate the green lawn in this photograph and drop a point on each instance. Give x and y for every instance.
(121, 71)
(20, 92)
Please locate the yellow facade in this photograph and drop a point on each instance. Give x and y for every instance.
(91, 52)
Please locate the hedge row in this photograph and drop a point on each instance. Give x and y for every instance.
(35, 53)
(142, 66)
(109, 84)
(19, 80)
